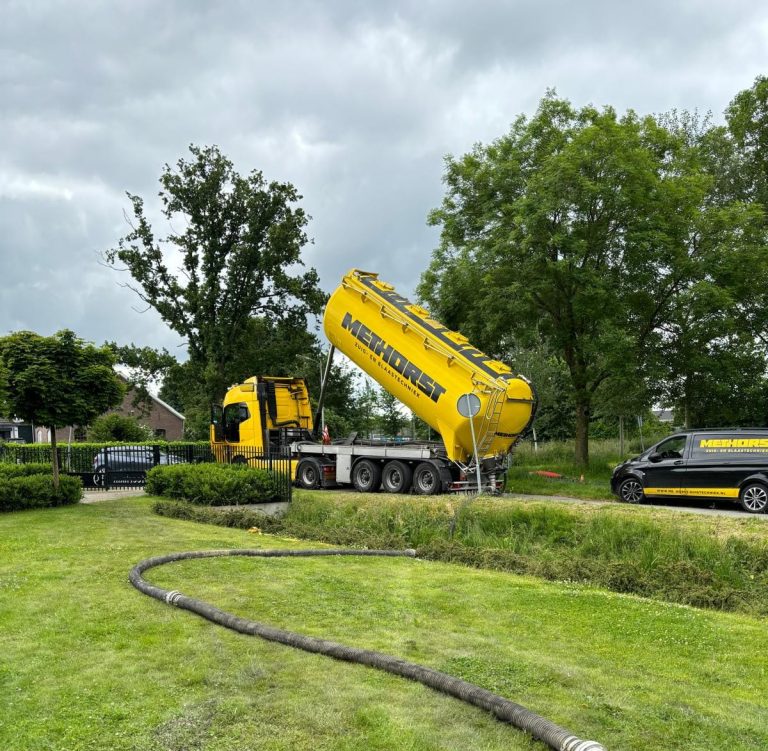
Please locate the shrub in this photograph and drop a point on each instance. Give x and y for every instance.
(37, 491)
(212, 484)
(24, 470)
(116, 427)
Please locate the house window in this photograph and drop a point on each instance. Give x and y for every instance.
(160, 433)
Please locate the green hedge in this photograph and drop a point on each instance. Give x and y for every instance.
(212, 484)
(24, 470)
(37, 491)
(10, 448)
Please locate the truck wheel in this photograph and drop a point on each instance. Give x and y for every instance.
(366, 476)
(631, 491)
(754, 498)
(308, 474)
(396, 477)
(426, 479)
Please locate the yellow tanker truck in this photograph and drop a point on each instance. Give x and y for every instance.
(477, 405)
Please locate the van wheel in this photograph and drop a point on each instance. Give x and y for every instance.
(366, 476)
(426, 479)
(754, 498)
(308, 474)
(396, 477)
(631, 491)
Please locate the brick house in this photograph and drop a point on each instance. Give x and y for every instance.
(16, 430)
(166, 423)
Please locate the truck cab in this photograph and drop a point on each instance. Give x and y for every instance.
(261, 418)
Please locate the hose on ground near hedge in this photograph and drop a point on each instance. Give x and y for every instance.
(539, 727)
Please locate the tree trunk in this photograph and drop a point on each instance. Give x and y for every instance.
(54, 458)
(582, 433)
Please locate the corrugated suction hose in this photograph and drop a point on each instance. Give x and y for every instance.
(556, 737)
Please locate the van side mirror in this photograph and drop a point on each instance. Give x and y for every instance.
(654, 457)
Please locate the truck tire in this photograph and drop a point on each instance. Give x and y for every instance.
(426, 479)
(366, 476)
(308, 474)
(396, 477)
(754, 498)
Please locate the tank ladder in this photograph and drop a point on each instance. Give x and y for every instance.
(491, 419)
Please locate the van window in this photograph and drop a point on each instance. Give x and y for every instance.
(672, 448)
(714, 445)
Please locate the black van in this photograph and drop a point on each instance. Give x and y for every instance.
(726, 463)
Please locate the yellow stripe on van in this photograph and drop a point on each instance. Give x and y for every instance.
(700, 492)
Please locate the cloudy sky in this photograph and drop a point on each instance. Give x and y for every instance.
(355, 103)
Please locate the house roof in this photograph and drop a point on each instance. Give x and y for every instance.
(159, 401)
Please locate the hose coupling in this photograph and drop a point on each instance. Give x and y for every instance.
(173, 597)
(576, 744)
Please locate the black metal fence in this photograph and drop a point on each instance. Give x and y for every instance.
(103, 467)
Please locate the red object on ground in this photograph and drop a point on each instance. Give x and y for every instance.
(545, 473)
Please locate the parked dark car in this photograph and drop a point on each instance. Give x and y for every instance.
(727, 463)
(128, 462)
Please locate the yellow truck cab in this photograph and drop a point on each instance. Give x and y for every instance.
(267, 413)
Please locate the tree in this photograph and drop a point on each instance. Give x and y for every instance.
(56, 381)
(367, 408)
(115, 427)
(391, 418)
(555, 414)
(747, 119)
(710, 352)
(146, 367)
(240, 238)
(578, 228)
(275, 348)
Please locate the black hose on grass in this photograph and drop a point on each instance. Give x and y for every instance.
(553, 735)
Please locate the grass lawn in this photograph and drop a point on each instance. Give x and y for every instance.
(87, 662)
(591, 482)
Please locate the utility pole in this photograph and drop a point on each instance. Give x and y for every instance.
(311, 360)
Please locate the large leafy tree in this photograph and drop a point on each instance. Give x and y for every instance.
(230, 257)
(391, 418)
(56, 381)
(747, 126)
(709, 352)
(578, 229)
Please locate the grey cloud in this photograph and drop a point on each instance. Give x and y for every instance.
(355, 103)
